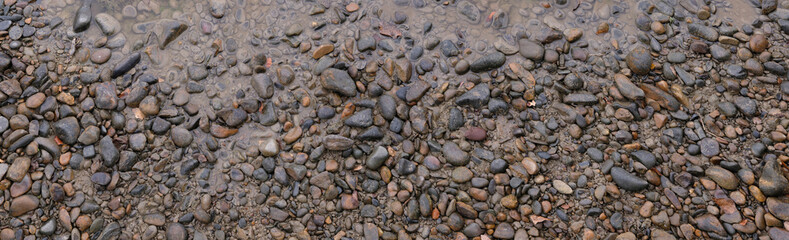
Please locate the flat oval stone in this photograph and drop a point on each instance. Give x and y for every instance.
(126, 64)
(337, 142)
(627, 88)
(454, 155)
(628, 181)
(100, 56)
(488, 62)
(722, 177)
(23, 204)
(462, 174)
(475, 134)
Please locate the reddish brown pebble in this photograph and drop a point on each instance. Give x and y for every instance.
(352, 7)
(475, 134)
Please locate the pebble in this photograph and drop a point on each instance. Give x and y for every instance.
(461, 175)
(709, 147)
(126, 64)
(262, 85)
(710, 223)
(580, 99)
(506, 45)
(722, 177)
(719, 53)
(171, 29)
(643, 22)
(416, 91)
(129, 11)
(176, 231)
(366, 44)
(197, 72)
(108, 24)
(337, 143)
(772, 181)
(573, 34)
(101, 178)
(23, 204)
(498, 166)
(15, 32)
(628, 181)
(217, 8)
(736, 71)
(322, 50)
(5, 25)
(18, 169)
(338, 81)
(476, 97)
(454, 155)
(181, 137)
(156, 219)
(377, 158)
(504, 231)
(48, 228)
(627, 88)
(360, 119)
(707, 33)
(488, 62)
(475, 134)
(645, 157)
(83, 17)
(758, 43)
(676, 57)
(109, 153)
(101, 56)
(562, 187)
(747, 106)
(67, 130)
(349, 201)
(531, 50)
(639, 60)
(370, 232)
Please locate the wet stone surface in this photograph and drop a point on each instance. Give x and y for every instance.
(405, 119)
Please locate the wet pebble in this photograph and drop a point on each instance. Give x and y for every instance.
(531, 50)
(126, 64)
(488, 62)
(758, 43)
(108, 24)
(181, 137)
(772, 181)
(707, 33)
(338, 81)
(100, 56)
(83, 17)
(639, 60)
(722, 177)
